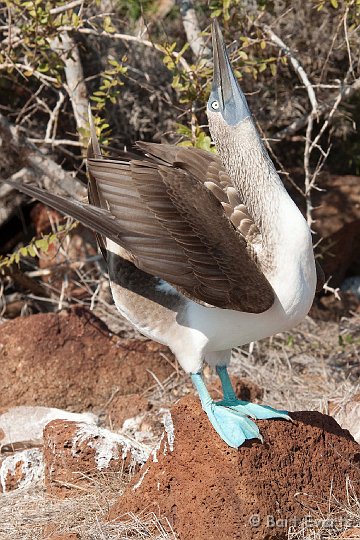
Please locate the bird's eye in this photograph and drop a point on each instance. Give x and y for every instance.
(215, 105)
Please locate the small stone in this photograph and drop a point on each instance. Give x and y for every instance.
(21, 469)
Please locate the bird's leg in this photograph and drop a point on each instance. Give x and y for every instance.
(253, 410)
(233, 426)
(227, 387)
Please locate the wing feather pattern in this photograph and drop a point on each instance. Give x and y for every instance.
(190, 241)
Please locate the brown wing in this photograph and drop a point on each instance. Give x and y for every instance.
(177, 230)
(208, 169)
(94, 197)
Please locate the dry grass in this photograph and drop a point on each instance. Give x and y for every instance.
(31, 515)
(339, 518)
(306, 368)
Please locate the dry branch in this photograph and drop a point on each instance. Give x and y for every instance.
(68, 51)
(135, 39)
(296, 65)
(65, 7)
(22, 154)
(346, 92)
(193, 30)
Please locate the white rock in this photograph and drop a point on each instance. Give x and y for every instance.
(107, 445)
(23, 426)
(27, 466)
(348, 416)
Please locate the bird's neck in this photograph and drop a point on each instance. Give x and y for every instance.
(251, 170)
(283, 228)
(286, 253)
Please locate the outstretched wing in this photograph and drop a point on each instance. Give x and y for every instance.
(178, 230)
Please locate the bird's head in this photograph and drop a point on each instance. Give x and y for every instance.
(227, 104)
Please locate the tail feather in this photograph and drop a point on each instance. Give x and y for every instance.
(98, 219)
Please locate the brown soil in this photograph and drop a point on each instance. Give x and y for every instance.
(123, 407)
(70, 360)
(239, 493)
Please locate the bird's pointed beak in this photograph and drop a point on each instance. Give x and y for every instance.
(233, 104)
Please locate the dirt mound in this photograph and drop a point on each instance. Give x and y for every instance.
(255, 492)
(70, 360)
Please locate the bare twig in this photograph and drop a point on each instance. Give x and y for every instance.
(56, 142)
(192, 29)
(135, 39)
(27, 70)
(70, 5)
(331, 290)
(53, 120)
(296, 65)
(307, 153)
(345, 21)
(327, 121)
(68, 51)
(24, 154)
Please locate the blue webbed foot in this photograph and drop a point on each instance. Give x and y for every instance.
(231, 416)
(233, 427)
(253, 410)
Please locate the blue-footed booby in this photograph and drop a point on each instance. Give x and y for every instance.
(204, 252)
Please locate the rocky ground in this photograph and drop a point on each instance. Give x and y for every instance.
(96, 442)
(101, 436)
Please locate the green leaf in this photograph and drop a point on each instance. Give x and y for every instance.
(273, 69)
(262, 68)
(108, 26)
(184, 143)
